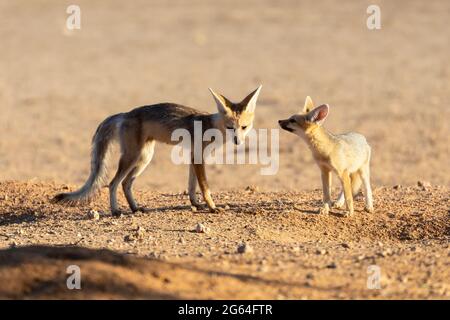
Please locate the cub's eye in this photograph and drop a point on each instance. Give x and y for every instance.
(230, 128)
(244, 127)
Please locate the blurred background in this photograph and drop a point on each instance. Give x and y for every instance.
(392, 84)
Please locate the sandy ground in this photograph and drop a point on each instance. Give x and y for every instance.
(292, 252)
(392, 85)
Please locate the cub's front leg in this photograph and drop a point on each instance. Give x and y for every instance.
(326, 189)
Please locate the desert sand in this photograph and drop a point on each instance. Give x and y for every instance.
(392, 85)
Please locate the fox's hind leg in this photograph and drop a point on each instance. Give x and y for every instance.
(356, 185)
(146, 156)
(365, 175)
(192, 187)
(131, 151)
(126, 164)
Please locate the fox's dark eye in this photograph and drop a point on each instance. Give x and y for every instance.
(244, 127)
(291, 120)
(230, 128)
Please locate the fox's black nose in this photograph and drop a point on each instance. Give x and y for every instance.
(235, 140)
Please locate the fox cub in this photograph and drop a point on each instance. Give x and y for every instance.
(138, 130)
(347, 155)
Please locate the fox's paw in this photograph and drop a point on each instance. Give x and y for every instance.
(197, 206)
(140, 209)
(117, 213)
(369, 209)
(216, 210)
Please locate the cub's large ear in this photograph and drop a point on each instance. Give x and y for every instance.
(318, 114)
(223, 104)
(309, 105)
(250, 101)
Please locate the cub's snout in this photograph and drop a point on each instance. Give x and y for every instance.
(284, 124)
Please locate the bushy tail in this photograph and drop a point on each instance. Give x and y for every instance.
(106, 133)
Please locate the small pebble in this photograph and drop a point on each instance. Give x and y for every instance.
(200, 228)
(244, 248)
(321, 251)
(425, 185)
(94, 215)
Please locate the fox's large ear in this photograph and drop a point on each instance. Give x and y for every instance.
(250, 100)
(318, 114)
(223, 104)
(309, 105)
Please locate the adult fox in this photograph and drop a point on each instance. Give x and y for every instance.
(138, 130)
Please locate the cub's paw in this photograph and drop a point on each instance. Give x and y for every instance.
(324, 210)
(338, 204)
(348, 214)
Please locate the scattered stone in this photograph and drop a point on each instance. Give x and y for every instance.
(4, 197)
(200, 228)
(227, 207)
(193, 208)
(321, 251)
(140, 232)
(345, 245)
(309, 276)
(332, 265)
(181, 241)
(252, 189)
(391, 215)
(397, 186)
(94, 215)
(244, 248)
(360, 257)
(129, 238)
(425, 185)
(385, 253)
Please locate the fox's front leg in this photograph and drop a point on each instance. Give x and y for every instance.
(326, 188)
(201, 178)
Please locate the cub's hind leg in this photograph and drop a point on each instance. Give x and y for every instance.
(365, 175)
(356, 185)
